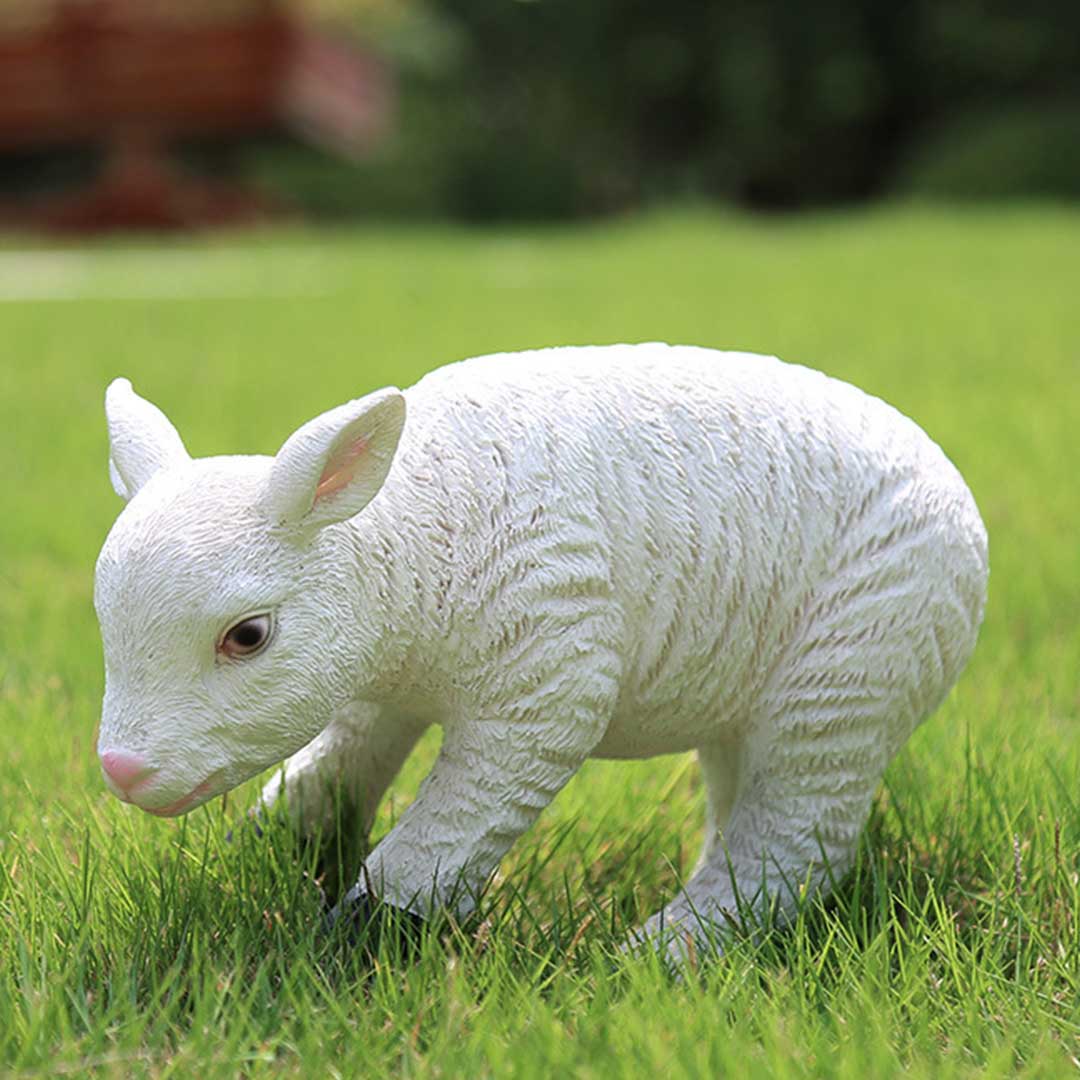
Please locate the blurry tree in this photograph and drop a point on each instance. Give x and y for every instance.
(1001, 152)
(548, 108)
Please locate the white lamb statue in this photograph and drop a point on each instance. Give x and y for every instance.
(610, 552)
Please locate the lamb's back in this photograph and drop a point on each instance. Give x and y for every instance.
(703, 495)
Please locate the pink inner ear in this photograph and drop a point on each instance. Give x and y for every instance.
(341, 467)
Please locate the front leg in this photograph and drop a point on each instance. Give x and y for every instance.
(493, 776)
(536, 682)
(355, 758)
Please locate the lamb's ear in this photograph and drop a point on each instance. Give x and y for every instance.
(141, 439)
(333, 466)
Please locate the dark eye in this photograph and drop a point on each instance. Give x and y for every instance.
(247, 637)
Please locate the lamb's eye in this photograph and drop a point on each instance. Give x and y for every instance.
(247, 637)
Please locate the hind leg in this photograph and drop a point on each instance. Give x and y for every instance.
(868, 656)
(847, 692)
(799, 790)
(719, 764)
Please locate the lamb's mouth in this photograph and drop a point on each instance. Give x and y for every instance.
(195, 797)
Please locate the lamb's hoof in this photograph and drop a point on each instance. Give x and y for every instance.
(254, 824)
(374, 926)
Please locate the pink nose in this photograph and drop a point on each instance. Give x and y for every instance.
(125, 770)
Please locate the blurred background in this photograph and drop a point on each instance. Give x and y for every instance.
(156, 114)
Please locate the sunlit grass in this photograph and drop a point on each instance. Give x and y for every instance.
(135, 946)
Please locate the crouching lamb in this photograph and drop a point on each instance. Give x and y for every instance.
(584, 552)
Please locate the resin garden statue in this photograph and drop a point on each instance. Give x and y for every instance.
(610, 552)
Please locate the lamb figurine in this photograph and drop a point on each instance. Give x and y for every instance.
(608, 552)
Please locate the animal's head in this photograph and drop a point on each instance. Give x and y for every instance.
(227, 600)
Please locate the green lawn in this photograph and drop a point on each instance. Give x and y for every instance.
(130, 945)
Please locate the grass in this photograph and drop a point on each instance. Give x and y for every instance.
(131, 946)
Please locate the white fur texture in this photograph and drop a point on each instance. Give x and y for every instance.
(612, 552)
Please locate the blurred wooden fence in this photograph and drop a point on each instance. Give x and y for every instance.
(139, 73)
